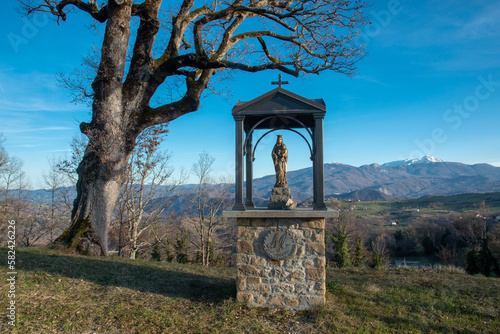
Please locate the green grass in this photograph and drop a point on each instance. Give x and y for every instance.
(58, 293)
(411, 301)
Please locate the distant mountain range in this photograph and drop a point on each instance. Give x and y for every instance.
(402, 179)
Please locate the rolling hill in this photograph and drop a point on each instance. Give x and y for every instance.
(401, 179)
(395, 180)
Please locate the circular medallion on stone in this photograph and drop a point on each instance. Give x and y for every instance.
(279, 244)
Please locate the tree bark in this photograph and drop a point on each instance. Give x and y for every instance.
(98, 187)
(111, 137)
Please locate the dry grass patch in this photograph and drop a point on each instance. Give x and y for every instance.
(59, 293)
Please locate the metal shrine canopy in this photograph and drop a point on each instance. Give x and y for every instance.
(277, 110)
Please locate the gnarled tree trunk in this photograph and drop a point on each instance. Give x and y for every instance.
(111, 138)
(98, 187)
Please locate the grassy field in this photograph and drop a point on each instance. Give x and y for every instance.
(57, 293)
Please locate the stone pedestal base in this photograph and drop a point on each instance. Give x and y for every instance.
(281, 257)
(297, 282)
(281, 198)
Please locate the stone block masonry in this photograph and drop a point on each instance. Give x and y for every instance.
(296, 282)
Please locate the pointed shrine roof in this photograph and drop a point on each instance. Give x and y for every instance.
(279, 101)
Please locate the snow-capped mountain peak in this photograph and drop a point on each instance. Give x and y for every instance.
(428, 159)
(424, 160)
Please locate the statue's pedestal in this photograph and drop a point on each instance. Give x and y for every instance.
(281, 257)
(281, 198)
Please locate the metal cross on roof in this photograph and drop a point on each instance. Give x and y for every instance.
(279, 82)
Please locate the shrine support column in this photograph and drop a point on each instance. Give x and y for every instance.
(238, 193)
(249, 172)
(319, 171)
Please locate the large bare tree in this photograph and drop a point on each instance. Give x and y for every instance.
(193, 40)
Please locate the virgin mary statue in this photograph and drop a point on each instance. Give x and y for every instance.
(280, 158)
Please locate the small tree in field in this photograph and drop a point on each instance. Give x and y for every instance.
(341, 257)
(184, 44)
(380, 253)
(181, 248)
(359, 258)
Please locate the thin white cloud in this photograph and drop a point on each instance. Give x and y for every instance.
(47, 128)
(484, 24)
(33, 91)
(38, 105)
(446, 35)
(372, 80)
(58, 151)
(443, 23)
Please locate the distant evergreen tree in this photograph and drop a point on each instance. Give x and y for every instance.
(378, 260)
(197, 257)
(359, 257)
(181, 248)
(406, 242)
(473, 266)
(211, 258)
(211, 252)
(399, 235)
(341, 256)
(428, 244)
(482, 261)
(169, 256)
(155, 252)
(487, 260)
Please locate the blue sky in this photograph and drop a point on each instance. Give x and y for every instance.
(430, 85)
